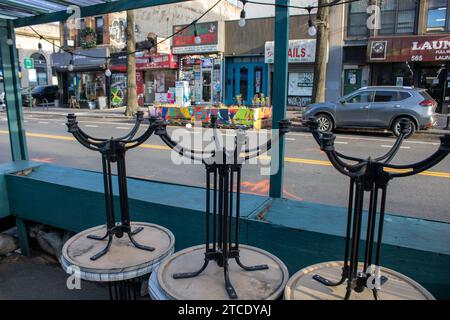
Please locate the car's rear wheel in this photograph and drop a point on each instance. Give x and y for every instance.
(396, 127)
(325, 122)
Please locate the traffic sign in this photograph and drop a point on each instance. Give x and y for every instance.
(28, 63)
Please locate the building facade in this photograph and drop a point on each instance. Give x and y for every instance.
(30, 46)
(249, 58)
(409, 47)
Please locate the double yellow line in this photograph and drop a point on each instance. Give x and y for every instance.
(287, 159)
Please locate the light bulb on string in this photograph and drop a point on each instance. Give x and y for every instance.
(9, 42)
(70, 66)
(242, 18)
(312, 31)
(108, 72)
(197, 39)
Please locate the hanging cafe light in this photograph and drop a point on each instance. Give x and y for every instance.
(312, 31)
(70, 66)
(197, 39)
(242, 19)
(40, 43)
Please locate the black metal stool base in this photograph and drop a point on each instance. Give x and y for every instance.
(119, 233)
(126, 289)
(215, 256)
(360, 283)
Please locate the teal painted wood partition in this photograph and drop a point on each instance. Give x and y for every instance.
(299, 233)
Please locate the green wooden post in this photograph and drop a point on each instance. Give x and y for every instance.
(279, 98)
(13, 98)
(22, 232)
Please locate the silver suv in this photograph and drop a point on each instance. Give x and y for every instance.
(376, 107)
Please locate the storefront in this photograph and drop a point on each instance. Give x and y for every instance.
(419, 61)
(86, 82)
(200, 50)
(356, 70)
(160, 78)
(301, 57)
(247, 80)
(118, 67)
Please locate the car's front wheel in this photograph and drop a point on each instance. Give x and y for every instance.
(325, 122)
(396, 127)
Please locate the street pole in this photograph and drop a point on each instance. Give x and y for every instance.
(13, 99)
(279, 99)
(132, 104)
(320, 65)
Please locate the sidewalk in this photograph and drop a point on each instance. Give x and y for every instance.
(117, 113)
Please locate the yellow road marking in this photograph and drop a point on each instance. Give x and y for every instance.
(265, 157)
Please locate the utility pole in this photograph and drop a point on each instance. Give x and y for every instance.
(132, 103)
(320, 65)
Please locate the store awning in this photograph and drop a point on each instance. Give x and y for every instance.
(426, 48)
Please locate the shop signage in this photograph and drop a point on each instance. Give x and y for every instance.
(411, 48)
(92, 59)
(28, 63)
(184, 41)
(163, 61)
(299, 51)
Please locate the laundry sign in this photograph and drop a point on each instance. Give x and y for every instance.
(299, 51)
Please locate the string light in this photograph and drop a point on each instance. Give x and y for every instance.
(197, 39)
(311, 28)
(242, 19)
(312, 31)
(108, 72)
(9, 42)
(40, 44)
(70, 67)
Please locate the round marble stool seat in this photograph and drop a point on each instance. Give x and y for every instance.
(302, 286)
(123, 265)
(209, 285)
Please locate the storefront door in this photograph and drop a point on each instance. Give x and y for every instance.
(433, 79)
(245, 80)
(352, 80)
(206, 85)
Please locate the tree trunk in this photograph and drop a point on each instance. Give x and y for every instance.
(320, 65)
(132, 103)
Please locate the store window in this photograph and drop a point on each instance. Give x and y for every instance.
(393, 74)
(437, 15)
(357, 18)
(243, 83)
(99, 29)
(82, 26)
(398, 16)
(258, 80)
(40, 64)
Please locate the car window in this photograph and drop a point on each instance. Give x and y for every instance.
(403, 95)
(38, 89)
(361, 97)
(386, 96)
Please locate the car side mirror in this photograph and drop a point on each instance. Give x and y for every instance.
(342, 101)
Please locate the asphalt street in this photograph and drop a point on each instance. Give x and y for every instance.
(308, 174)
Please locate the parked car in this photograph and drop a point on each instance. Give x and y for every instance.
(25, 93)
(42, 93)
(376, 107)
